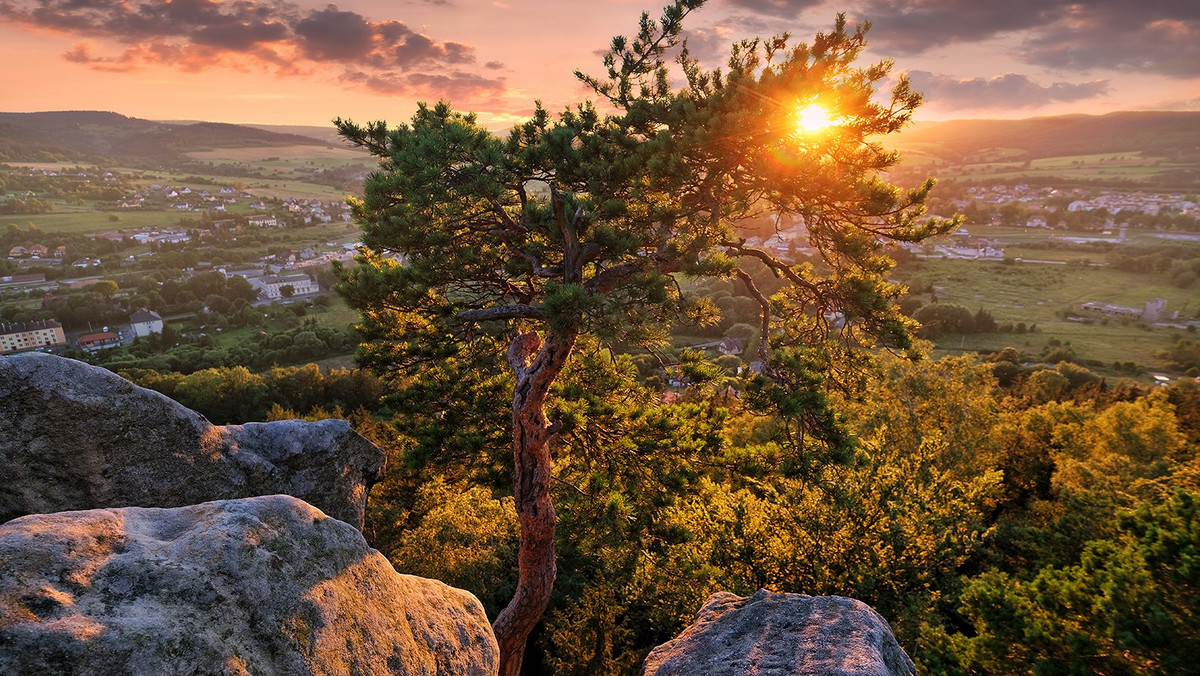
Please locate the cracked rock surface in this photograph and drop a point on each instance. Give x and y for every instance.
(265, 585)
(76, 436)
(773, 634)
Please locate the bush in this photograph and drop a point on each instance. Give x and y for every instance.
(939, 319)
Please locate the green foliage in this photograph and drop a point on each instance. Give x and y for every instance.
(622, 209)
(229, 395)
(939, 319)
(462, 536)
(575, 232)
(1183, 355)
(1124, 607)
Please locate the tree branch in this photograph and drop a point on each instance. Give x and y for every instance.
(488, 314)
(765, 324)
(772, 262)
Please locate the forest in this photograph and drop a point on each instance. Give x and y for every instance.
(1046, 526)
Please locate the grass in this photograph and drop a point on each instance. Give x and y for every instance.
(285, 157)
(284, 188)
(1000, 165)
(81, 221)
(1039, 294)
(336, 314)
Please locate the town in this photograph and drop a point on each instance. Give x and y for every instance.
(282, 246)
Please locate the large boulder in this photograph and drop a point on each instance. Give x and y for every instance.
(265, 585)
(771, 634)
(75, 436)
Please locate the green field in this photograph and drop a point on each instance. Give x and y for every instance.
(76, 220)
(285, 157)
(1041, 294)
(285, 188)
(1004, 164)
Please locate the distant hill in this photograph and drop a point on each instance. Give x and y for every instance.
(88, 135)
(328, 133)
(1167, 134)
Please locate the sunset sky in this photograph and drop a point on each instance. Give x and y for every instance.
(277, 62)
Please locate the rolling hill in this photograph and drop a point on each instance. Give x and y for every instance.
(91, 135)
(1169, 134)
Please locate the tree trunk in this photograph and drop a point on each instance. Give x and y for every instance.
(536, 365)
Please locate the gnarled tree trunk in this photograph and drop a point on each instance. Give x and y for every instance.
(536, 365)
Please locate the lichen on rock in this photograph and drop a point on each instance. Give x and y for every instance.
(774, 634)
(266, 585)
(75, 436)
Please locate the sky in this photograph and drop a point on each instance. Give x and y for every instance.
(305, 63)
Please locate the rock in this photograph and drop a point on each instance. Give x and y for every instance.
(770, 634)
(265, 585)
(74, 436)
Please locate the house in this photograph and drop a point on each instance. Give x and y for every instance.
(732, 346)
(264, 221)
(98, 341)
(31, 335)
(145, 322)
(272, 287)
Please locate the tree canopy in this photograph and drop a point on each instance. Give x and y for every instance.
(583, 224)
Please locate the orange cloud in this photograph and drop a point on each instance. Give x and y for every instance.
(199, 35)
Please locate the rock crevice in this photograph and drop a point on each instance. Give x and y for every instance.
(75, 436)
(265, 585)
(773, 634)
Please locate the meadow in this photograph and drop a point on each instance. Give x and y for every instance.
(285, 157)
(1012, 165)
(67, 220)
(1043, 295)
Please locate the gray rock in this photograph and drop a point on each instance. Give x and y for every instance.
(265, 585)
(75, 436)
(771, 634)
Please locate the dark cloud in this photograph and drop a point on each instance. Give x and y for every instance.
(709, 45)
(452, 86)
(1004, 91)
(239, 37)
(781, 8)
(334, 35)
(1161, 36)
(1125, 37)
(915, 26)
(199, 34)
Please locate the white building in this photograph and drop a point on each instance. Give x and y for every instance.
(271, 287)
(145, 322)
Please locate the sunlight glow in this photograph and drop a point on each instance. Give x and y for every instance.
(812, 118)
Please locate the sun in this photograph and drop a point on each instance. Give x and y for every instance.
(812, 118)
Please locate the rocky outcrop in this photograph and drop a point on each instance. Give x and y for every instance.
(74, 436)
(265, 585)
(770, 634)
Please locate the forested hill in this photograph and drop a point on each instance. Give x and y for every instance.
(87, 135)
(1168, 134)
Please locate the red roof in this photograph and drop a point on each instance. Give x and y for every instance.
(95, 338)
